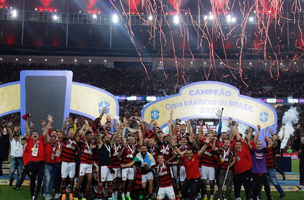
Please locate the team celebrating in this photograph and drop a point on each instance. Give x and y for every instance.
(130, 159)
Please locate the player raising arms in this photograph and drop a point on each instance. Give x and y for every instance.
(68, 167)
(86, 164)
(128, 154)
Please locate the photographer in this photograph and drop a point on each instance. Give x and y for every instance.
(4, 146)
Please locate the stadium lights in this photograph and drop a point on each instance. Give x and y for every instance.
(61, 60)
(94, 16)
(45, 60)
(75, 60)
(230, 19)
(90, 60)
(205, 17)
(176, 19)
(105, 61)
(211, 17)
(55, 17)
(115, 18)
(30, 59)
(16, 59)
(14, 13)
(150, 18)
(251, 19)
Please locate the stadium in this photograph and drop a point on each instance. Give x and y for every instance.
(151, 99)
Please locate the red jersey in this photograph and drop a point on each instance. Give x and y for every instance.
(129, 153)
(243, 160)
(87, 156)
(192, 167)
(69, 150)
(164, 175)
(57, 152)
(36, 149)
(116, 149)
(48, 151)
(270, 158)
(25, 155)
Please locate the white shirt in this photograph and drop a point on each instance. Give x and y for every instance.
(16, 148)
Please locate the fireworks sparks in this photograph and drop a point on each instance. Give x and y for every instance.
(219, 28)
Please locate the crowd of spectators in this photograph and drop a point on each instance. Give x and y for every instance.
(134, 81)
(133, 108)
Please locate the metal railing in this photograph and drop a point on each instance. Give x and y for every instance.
(106, 19)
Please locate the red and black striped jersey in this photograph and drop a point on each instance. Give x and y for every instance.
(116, 149)
(208, 157)
(164, 175)
(226, 156)
(154, 151)
(179, 136)
(183, 149)
(129, 153)
(69, 150)
(110, 134)
(86, 156)
(270, 158)
(165, 150)
(220, 144)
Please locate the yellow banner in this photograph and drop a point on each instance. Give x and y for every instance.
(89, 101)
(86, 100)
(204, 99)
(9, 98)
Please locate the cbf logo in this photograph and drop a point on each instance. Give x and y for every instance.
(104, 103)
(155, 114)
(263, 116)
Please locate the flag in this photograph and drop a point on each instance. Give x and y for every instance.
(147, 159)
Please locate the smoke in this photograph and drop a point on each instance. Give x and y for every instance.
(243, 128)
(226, 128)
(290, 118)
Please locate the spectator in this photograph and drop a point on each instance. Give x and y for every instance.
(4, 146)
